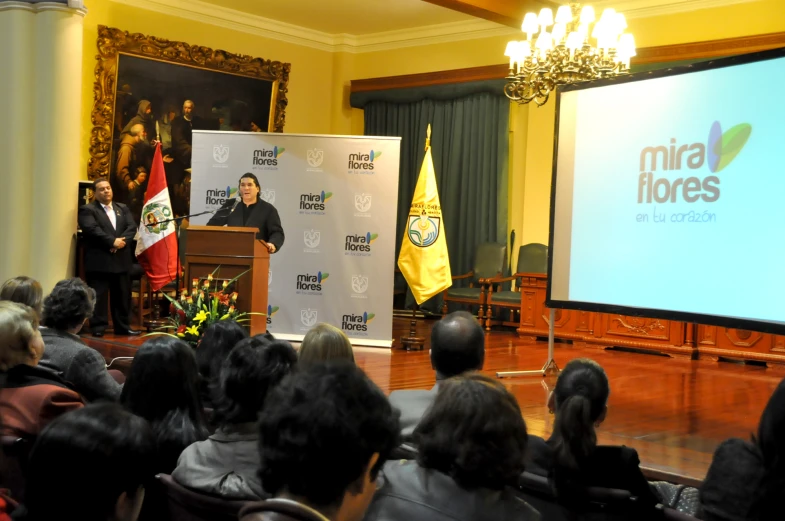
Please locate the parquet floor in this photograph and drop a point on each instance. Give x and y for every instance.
(673, 411)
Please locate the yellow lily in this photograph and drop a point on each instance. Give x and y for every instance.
(193, 330)
(200, 317)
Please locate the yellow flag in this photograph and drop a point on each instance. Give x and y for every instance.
(423, 260)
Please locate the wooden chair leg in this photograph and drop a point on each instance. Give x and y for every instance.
(140, 301)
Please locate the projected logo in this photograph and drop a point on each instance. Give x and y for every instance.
(271, 311)
(267, 159)
(219, 196)
(315, 157)
(314, 203)
(308, 317)
(220, 153)
(719, 152)
(363, 163)
(311, 239)
(267, 195)
(311, 283)
(359, 244)
(362, 203)
(356, 323)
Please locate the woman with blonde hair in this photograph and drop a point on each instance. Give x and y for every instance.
(30, 396)
(325, 343)
(24, 290)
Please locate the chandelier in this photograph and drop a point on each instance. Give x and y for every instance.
(563, 54)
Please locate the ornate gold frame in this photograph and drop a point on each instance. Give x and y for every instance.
(114, 42)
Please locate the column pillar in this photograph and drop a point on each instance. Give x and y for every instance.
(16, 137)
(57, 93)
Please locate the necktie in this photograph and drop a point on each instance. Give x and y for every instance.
(111, 215)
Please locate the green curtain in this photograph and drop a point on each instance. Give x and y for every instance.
(469, 143)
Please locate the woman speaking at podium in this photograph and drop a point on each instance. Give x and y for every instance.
(251, 211)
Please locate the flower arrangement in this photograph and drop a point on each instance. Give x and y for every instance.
(192, 313)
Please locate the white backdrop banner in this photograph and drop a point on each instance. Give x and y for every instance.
(337, 198)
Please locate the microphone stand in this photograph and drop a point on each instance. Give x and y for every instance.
(155, 319)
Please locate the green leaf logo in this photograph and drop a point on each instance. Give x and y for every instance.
(723, 148)
(375, 154)
(374, 236)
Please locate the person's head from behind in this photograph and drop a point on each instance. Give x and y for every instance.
(323, 343)
(457, 345)
(20, 340)
(771, 435)
(100, 453)
(325, 432)
(253, 368)
(70, 303)
(579, 403)
(163, 378)
(474, 432)
(24, 290)
(218, 340)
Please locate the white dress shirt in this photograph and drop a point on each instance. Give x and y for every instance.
(110, 213)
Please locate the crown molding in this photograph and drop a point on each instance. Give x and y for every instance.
(649, 8)
(72, 7)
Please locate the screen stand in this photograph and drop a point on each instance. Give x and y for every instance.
(550, 367)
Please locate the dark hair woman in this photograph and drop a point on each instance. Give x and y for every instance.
(227, 463)
(571, 457)
(252, 211)
(218, 341)
(471, 450)
(24, 290)
(162, 388)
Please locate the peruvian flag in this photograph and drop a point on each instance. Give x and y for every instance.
(156, 246)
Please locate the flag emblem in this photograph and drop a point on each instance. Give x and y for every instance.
(153, 214)
(423, 230)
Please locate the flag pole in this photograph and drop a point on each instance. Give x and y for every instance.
(413, 341)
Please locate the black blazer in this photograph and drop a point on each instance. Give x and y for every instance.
(263, 216)
(608, 466)
(98, 237)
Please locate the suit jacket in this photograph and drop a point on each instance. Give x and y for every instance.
(413, 405)
(99, 235)
(31, 397)
(80, 365)
(263, 216)
(608, 466)
(226, 464)
(415, 493)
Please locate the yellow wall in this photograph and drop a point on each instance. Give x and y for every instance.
(319, 82)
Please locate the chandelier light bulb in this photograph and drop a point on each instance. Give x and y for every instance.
(564, 15)
(530, 25)
(558, 33)
(587, 15)
(546, 17)
(608, 15)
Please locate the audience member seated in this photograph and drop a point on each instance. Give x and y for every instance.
(571, 458)
(92, 465)
(324, 434)
(324, 342)
(162, 388)
(227, 463)
(23, 290)
(217, 342)
(66, 308)
(457, 346)
(746, 479)
(471, 451)
(30, 397)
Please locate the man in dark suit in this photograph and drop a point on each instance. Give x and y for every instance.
(457, 346)
(253, 212)
(107, 228)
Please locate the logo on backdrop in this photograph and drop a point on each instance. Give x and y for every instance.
(359, 245)
(266, 158)
(314, 203)
(269, 277)
(219, 196)
(362, 203)
(359, 286)
(315, 157)
(363, 163)
(312, 238)
(352, 323)
(719, 152)
(153, 214)
(221, 154)
(267, 195)
(308, 317)
(423, 229)
(310, 283)
(271, 311)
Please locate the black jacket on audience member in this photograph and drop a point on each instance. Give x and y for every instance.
(608, 466)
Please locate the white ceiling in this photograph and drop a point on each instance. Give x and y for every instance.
(355, 17)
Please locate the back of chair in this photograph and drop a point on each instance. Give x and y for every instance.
(489, 260)
(186, 505)
(532, 258)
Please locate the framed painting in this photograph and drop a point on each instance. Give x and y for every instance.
(150, 90)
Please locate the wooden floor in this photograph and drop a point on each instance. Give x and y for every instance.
(673, 411)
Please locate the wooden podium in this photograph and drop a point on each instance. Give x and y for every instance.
(234, 249)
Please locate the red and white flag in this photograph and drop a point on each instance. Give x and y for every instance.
(156, 246)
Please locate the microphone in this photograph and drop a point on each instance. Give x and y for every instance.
(236, 202)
